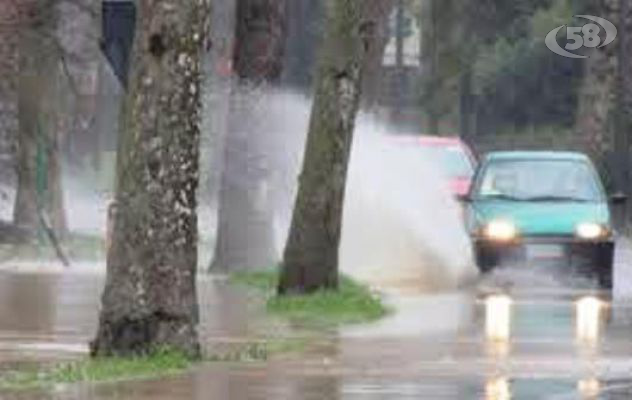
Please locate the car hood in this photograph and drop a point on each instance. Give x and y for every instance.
(541, 218)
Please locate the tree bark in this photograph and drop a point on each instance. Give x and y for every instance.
(149, 301)
(623, 122)
(624, 96)
(597, 94)
(9, 67)
(311, 256)
(38, 159)
(372, 83)
(245, 236)
(429, 63)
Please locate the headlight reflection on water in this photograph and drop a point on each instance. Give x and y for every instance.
(589, 388)
(498, 388)
(498, 318)
(588, 319)
(498, 325)
(589, 315)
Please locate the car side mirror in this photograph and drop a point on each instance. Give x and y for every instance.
(618, 198)
(464, 198)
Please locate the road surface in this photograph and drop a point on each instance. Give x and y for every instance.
(517, 334)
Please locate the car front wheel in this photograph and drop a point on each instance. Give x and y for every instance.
(487, 257)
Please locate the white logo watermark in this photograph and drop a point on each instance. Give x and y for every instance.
(587, 36)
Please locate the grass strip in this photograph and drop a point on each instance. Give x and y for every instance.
(351, 303)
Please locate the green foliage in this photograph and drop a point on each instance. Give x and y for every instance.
(490, 20)
(261, 280)
(257, 351)
(351, 303)
(517, 81)
(160, 363)
(546, 19)
(520, 83)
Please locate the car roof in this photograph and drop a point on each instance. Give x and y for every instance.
(536, 155)
(429, 140)
(440, 140)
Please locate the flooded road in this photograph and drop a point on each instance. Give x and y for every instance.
(514, 335)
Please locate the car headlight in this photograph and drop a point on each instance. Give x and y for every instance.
(590, 231)
(501, 230)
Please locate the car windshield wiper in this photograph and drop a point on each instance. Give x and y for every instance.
(558, 198)
(501, 196)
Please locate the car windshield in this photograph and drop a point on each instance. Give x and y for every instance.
(453, 160)
(540, 180)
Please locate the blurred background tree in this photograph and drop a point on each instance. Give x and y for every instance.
(245, 228)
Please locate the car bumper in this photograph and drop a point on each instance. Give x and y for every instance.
(568, 251)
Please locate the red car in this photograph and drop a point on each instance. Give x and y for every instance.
(456, 159)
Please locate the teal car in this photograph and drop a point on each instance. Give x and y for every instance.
(541, 205)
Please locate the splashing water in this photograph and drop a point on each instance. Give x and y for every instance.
(401, 226)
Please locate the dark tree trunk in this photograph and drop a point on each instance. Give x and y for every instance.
(38, 164)
(150, 300)
(596, 100)
(624, 84)
(245, 236)
(373, 77)
(622, 140)
(9, 41)
(311, 256)
(429, 63)
(304, 35)
(467, 117)
(217, 93)
(260, 40)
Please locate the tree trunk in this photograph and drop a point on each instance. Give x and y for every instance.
(9, 67)
(467, 115)
(217, 92)
(311, 256)
(38, 162)
(429, 65)
(372, 83)
(624, 85)
(245, 236)
(150, 300)
(622, 141)
(597, 97)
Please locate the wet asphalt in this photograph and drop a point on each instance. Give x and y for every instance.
(520, 333)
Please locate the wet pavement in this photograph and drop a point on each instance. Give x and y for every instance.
(517, 334)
